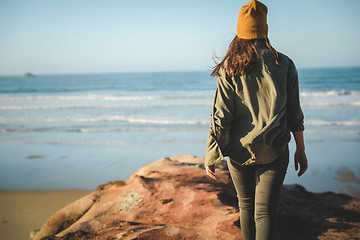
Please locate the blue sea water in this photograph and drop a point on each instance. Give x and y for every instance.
(80, 131)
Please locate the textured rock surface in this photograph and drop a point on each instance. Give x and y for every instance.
(172, 198)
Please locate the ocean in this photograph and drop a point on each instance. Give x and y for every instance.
(82, 130)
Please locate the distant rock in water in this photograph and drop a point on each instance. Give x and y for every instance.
(172, 198)
(27, 75)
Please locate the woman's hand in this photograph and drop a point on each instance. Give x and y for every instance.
(210, 171)
(300, 156)
(300, 160)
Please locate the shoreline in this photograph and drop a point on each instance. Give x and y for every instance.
(26, 210)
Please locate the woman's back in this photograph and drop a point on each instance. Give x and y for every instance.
(260, 119)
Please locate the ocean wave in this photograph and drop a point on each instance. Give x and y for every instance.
(154, 121)
(319, 122)
(109, 97)
(170, 105)
(102, 106)
(339, 131)
(81, 97)
(73, 142)
(150, 129)
(109, 118)
(157, 96)
(330, 93)
(100, 130)
(330, 104)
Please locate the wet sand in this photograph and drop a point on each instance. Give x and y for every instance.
(23, 211)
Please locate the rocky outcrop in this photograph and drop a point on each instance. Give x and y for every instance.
(172, 198)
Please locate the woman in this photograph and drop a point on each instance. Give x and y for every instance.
(256, 106)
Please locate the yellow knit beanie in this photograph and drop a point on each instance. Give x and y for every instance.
(252, 23)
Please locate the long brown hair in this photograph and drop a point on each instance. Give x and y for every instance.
(241, 57)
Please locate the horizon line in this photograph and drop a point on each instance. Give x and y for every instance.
(149, 71)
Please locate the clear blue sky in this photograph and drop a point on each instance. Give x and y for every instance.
(86, 36)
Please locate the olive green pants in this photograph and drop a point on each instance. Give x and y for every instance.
(258, 188)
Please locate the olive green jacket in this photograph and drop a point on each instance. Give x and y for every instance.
(255, 112)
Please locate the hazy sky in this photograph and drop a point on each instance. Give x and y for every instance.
(86, 36)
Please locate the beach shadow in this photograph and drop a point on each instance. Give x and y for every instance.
(305, 215)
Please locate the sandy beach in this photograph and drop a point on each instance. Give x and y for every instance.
(23, 211)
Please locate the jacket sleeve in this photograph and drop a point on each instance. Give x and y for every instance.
(295, 116)
(223, 104)
(221, 117)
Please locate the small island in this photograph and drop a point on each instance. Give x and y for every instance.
(28, 75)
